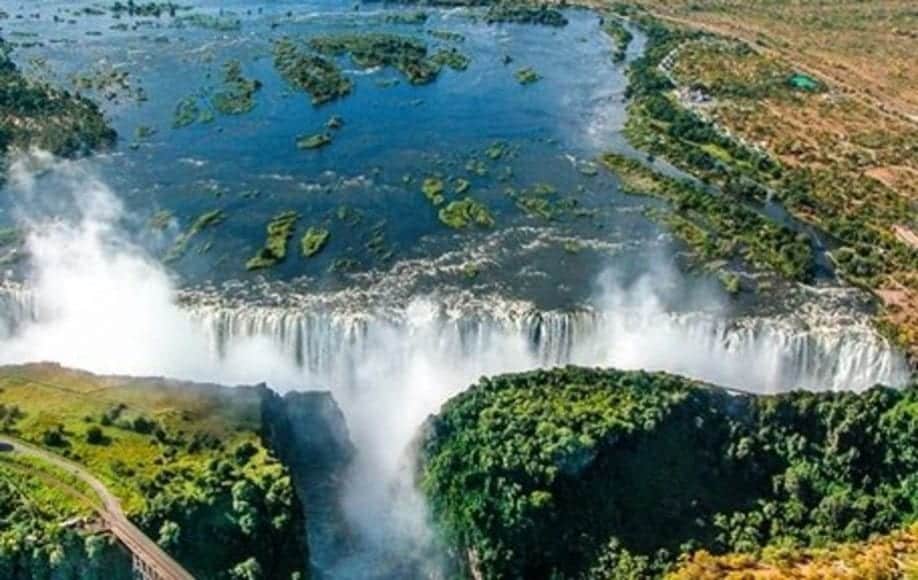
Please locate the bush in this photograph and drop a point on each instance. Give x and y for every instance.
(143, 425)
(244, 452)
(54, 437)
(95, 436)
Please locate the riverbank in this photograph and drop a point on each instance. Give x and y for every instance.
(730, 113)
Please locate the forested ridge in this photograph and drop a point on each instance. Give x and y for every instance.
(610, 474)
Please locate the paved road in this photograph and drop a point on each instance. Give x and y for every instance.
(127, 533)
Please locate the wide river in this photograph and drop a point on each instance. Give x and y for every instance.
(398, 311)
(364, 188)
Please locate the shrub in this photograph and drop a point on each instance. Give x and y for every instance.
(95, 436)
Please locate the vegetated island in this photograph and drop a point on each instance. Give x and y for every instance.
(206, 220)
(524, 13)
(314, 74)
(214, 475)
(36, 114)
(237, 96)
(406, 54)
(614, 26)
(582, 473)
(234, 96)
(527, 76)
(279, 230)
(310, 66)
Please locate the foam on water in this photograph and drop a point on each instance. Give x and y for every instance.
(815, 347)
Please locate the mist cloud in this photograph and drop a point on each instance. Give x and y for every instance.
(103, 304)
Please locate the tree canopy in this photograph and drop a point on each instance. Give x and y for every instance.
(609, 474)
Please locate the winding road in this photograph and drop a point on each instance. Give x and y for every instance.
(155, 563)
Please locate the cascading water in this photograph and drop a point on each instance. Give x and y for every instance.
(756, 354)
(763, 354)
(16, 307)
(389, 371)
(95, 300)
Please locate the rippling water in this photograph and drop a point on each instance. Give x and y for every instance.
(249, 166)
(395, 337)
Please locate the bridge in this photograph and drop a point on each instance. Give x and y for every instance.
(149, 561)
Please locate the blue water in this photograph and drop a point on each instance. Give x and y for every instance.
(249, 165)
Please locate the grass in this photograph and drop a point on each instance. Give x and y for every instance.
(889, 556)
(179, 456)
(51, 396)
(41, 493)
(75, 490)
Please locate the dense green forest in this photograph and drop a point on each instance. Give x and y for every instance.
(609, 474)
(238, 504)
(35, 114)
(34, 545)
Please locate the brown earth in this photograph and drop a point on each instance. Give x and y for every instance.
(867, 48)
(861, 135)
(886, 557)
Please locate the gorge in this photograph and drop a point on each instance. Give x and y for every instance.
(366, 210)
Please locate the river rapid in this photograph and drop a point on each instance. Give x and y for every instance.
(421, 311)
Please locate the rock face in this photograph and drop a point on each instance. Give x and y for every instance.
(308, 432)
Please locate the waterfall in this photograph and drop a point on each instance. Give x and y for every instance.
(390, 367)
(17, 306)
(763, 354)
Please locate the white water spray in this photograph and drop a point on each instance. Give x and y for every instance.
(96, 301)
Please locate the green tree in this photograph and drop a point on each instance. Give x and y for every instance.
(169, 535)
(95, 436)
(54, 437)
(248, 570)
